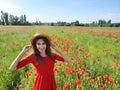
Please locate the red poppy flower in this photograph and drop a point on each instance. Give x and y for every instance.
(101, 85)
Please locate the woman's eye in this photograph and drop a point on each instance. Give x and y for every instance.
(38, 43)
(43, 43)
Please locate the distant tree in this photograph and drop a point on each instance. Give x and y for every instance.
(11, 20)
(2, 18)
(40, 23)
(93, 22)
(52, 24)
(109, 22)
(24, 19)
(16, 19)
(117, 24)
(6, 18)
(36, 23)
(81, 24)
(67, 24)
(76, 23)
(61, 23)
(0, 22)
(101, 22)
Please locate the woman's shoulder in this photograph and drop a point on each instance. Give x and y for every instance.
(58, 57)
(55, 55)
(31, 55)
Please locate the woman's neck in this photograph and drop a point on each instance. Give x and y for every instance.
(43, 54)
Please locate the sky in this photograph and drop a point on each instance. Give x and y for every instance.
(85, 11)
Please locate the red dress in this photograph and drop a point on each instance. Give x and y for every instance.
(45, 79)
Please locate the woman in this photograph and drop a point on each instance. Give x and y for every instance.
(42, 59)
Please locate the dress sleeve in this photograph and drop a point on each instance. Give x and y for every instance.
(58, 57)
(24, 62)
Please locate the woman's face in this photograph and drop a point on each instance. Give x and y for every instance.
(41, 45)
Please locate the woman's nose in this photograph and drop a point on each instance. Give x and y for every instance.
(41, 46)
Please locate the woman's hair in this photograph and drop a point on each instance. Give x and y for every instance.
(47, 41)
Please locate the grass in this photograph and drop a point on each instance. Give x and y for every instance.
(92, 54)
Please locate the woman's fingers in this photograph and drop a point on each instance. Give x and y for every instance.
(27, 47)
(52, 44)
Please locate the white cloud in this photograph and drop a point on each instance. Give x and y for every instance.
(10, 7)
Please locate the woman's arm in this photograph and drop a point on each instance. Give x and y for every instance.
(19, 57)
(60, 52)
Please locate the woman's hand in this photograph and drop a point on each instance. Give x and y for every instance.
(60, 52)
(26, 48)
(52, 45)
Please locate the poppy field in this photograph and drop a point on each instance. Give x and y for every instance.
(94, 54)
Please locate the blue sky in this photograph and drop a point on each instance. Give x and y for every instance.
(85, 11)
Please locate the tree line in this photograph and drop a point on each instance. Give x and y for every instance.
(100, 23)
(9, 19)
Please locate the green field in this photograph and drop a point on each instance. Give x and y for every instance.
(94, 53)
